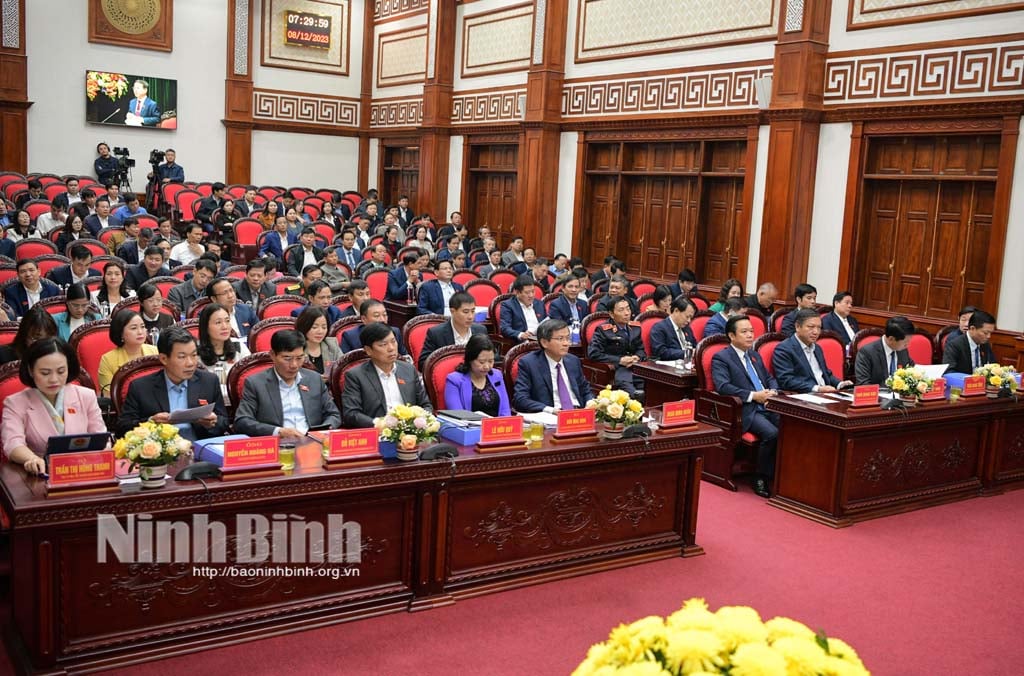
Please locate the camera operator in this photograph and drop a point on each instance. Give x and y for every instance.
(168, 172)
(105, 165)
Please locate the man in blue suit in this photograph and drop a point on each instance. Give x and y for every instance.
(436, 293)
(685, 284)
(732, 307)
(404, 280)
(523, 313)
(738, 371)
(551, 379)
(243, 317)
(278, 240)
(799, 362)
(29, 287)
(78, 270)
(672, 334)
(142, 111)
(370, 311)
(806, 299)
(840, 321)
(568, 307)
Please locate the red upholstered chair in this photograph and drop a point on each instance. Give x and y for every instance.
(645, 302)
(270, 192)
(235, 272)
(699, 302)
(54, 234)
(8, 272)
(503, 278)
(698, 322)
(377, 280)
(284, 282)
(96, 247)
(765, 346)
(415, 333)
(300, 193)
(336, 376)
(262, 331)
(51, 191)
(427, 275)
(940, 342)
(642, 286)
(186, 203)
(90, 342)
(494, 312)
(196, 307)
(47, 262)
(921, 348)
(245, 367)
(36, 208)
(647, 320)
(12, 188)
(205, 188)
(589, 326)
(10, 382)
(8, 330)
(166, 308)
(129, 373)
(247, 234)
(192, 326)
(236, 192)
(439, 364)
(547, 300)
(862, 338)
(835, 354)
(281, 306)
(33, 247)
(165, 283)
(483, 291)
(757, 321)
(342, 325)
(148, 221)
(313, 212)
(464, 277)
(510, 365)
(324, 230)
(595, 300)
(775, 321)
(327, 194)
(538, 292)
(341, 302)
(169, 191)
(106, 234)
(54, 304)
(182, 271)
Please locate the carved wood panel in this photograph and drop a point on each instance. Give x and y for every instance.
(491, 186)
(401, 172)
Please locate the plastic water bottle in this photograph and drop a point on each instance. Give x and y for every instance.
(574, 332)
(105, 308)
(154, 335)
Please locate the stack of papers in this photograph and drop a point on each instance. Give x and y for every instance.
(463, 419)
(546, 419)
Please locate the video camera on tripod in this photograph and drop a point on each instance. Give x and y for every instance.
(122, 174)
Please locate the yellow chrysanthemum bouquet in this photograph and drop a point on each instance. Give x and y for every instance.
(693, 641)
(614, 407)
(407, 426)
(909, 382)
(998, 376)
(151, 444)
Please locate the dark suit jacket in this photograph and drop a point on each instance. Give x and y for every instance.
(458, 392)
(607, 302)
(665, 341)
(350, 340)
(960, 358)
(398, 289)
(207, 206)
(150, 112)
(792, 370)
(184, 294)
(245, 295)
(129, 252)
(715, 325)
(751, 301)
(362, 398)
(61, 276)
(272, 245)
(831, 322)
(560, 309)
(333, 313)
(93, 225)
(788, 327)
(871, 368)
(432, 299)
(136, 275)
(732, 380)
(260, 412)
(148, 396)
(442, 335)
(296, 256)
(513, 321)
(534, 389)
(16, 296)
(246, 318)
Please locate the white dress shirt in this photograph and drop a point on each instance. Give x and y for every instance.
(447, 290)
(183, 254)
(293, 414)
(531, 318)
(819, 377)
(389, 381)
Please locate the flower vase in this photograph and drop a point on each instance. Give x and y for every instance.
(408, 454)
(613, 430)
(909, 400)
(992, 392)
(153, 476)
(387, 449)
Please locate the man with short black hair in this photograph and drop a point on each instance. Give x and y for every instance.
(404, 280)
(522, 313)
(672, 335)
(569, 307)
(618, 287)
(435, 294)
(187, 252)
(131, 207)
(382, 382)
(806, 299)
(132, 250)
(35, 192)
(303, 255)
(371, 311)
(286, 401)
(169, 171)
(799, 362)
(208, 205)
(686, 283)
(878, 360)
(619, 342)
(242, 316)
(102, 219)
(77, 271)
(189, 291)
(971, 350)
(54, 218)
(254, 288)
(840, 321)
(457, 331)
(514, 254)
(551, 379)
(129, 231)
(152, 265)
(72, 196)
(730, 308)
(405, 216)
(29, 290)
(540, 274)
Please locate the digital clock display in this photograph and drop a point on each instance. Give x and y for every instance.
(307, 30)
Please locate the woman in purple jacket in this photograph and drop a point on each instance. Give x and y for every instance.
(475, 385)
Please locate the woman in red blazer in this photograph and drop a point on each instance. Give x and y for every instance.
(50, 406)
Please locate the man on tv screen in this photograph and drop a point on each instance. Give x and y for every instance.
(142, 111)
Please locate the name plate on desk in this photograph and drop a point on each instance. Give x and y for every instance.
(974, 386)
(251, 453)
(78, 470)
(507, 431)
(347, 444)
(575, 422)
(865, 395)
(938, 390)
(678, 413)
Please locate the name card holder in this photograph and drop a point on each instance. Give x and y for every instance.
(351, 448)
(89, 471)
(937, 392)
(252, 457)
(973, 386)
(677, 415)
(576, 424)
(865, 396)
(501, 434)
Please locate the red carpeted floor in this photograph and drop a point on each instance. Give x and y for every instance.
(937, 591)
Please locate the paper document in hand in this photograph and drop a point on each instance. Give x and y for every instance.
(932, 371)
(188, 415)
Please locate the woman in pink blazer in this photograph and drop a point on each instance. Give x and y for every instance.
(49, 407)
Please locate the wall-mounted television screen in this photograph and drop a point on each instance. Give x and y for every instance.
(131, 100)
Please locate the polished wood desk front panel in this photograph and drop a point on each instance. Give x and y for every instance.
(431, 532)
(838, 465)
(665, 383)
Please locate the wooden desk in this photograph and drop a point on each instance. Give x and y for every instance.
(399, 313)
(838, 465)
(665, 383)
(431, 533)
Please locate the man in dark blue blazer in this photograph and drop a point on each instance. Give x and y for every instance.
(738, 371)
(435, 293)
(77, 271)
(463, 310)
(272, 243)
(16, 295)
(879, 359)
(792, 360)
(806, 299)
(672, 334)
(521, 314)
(536, 389)
(970, 350)
(563, 306)
(370, 311)
(243, 317)
(716, 324)
(685, 284)
(142, 110)
(840, 321)
(404, 280)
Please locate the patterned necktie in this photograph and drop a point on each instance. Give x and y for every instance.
(564, 398)
(138, 108)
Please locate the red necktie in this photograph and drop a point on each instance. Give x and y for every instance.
(138, 108)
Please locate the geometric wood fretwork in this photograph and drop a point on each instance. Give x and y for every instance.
(486, 107)
(396, 113)
(269, 104)
(389, 9)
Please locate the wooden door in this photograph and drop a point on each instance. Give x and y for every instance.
(492, 185)
(401, 174)
(716, 242)
(601, 235)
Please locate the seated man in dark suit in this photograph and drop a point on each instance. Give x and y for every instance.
(618, 288)
(457, 331)
(180, 385)
(878, 360)
(840, 321)
(672, 335)
(371, 311)
(806, 298)
(551, 379)
(716, 324)
(152, 265)
(686, 283)
(404, 280)
(539, 271)
(382, 382)
(963, 321)
(77, 271)
(287, 400)
(102, 219)
(738, 371)
(307, 253)
(521, 314)
(319, 295)
(763, 299)
(208, 205)
(435, 293)
(569, 307)
(358, 293)
(277, 240)
(618, 342)
(29, 290)
(799, 362)
(972, 349)
(254, 288)
(132, 250)
(243, 318)
(188, 292)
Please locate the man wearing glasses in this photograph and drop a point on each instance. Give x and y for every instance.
(551, 379)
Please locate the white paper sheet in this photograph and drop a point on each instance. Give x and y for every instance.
(812, 398)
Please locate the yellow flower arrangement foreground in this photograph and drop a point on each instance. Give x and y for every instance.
(151, 444)
(734, 641)
(616, 407)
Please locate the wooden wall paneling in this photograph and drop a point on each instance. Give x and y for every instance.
(400, 167)
(238, 94)
(14, 103)
(1001, 208)
(435, 137)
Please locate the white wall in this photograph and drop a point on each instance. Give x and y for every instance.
(1011, 289)
(757, 208)
(373, 163)
(455, 149)
(305, 160)
(59, 53)
(829, 203)
(566, 198)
